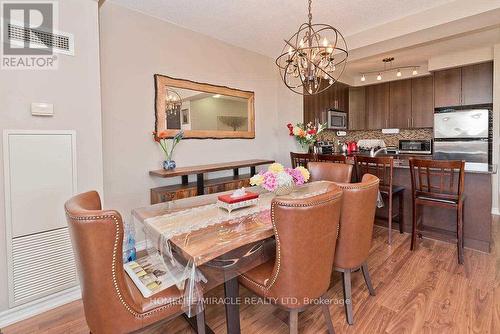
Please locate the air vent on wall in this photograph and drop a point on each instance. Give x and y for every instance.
(60, 42)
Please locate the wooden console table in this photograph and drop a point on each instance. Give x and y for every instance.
(188, 189)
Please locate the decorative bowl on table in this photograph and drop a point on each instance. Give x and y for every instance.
(280, 180)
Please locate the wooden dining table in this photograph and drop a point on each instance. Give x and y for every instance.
(220, 244)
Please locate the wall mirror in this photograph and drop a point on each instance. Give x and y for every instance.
(203, 110)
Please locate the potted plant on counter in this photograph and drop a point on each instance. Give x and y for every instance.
(305, 135)
(162, 139)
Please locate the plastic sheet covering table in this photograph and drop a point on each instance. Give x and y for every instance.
(211, 245)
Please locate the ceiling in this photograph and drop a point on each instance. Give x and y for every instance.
(412, 31)
(419, 55)
(246, 23)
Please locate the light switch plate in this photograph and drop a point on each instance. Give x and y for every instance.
(42, 109)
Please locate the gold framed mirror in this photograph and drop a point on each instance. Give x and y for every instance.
(203, 110)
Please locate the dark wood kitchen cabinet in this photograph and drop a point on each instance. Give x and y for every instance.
(464, 86)
(357, 103)
(400, 104)
(477, 84)
(422, 102)
(448, 88)
(316, 106)
(377, 106)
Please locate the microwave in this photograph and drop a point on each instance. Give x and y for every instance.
(337, 119)
(423, 146)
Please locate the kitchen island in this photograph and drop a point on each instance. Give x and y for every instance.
(477, 208)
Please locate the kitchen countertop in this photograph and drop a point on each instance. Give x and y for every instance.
(401, 161)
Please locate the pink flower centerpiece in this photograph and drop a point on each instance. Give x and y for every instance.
(279, 179)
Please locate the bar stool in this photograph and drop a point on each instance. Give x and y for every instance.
(430, 187)
(331, 158)
(301, 159)
(383, 168)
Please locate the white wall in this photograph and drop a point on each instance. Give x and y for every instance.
(75, 92)
(133, 48)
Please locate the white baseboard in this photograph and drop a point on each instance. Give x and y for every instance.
(36, 307)
(495, 211)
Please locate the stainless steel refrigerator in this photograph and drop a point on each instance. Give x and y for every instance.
(462, 135)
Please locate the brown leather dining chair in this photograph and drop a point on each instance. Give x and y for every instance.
(112, 303)
(327, 171)
(306, 234)
(438, 183)
(383, 168)
(355, 236)
(301, 159)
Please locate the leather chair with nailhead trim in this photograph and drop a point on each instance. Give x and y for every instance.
(355, 236)
(111, 301)
(306, 234)
(328, 171)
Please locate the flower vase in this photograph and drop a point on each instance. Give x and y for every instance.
(284, 190)
(169, 164)
(302, 147)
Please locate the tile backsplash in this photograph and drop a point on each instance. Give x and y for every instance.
(390, 139)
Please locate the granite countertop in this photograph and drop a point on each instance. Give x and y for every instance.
(401, 161)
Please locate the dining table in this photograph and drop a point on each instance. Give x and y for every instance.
(214, 246)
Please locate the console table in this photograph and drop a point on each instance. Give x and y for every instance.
(202, 186)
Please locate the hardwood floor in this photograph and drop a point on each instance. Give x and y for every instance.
(424, 291)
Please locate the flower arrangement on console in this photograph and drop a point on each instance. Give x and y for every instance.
(162, 138)
(305, 135)
(279, 179)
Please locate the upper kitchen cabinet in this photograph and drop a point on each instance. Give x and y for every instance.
(316, 106)
(422, 102)
(377, 106)
(467, 85)
(357, 103)
(448, 88)
(400, 115)
(477, 84)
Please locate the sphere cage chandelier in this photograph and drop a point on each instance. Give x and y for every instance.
(173, 101)
(313, 59)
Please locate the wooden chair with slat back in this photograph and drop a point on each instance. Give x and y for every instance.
(331, 158)
(383, 168)
(439, 184)
(301, 159)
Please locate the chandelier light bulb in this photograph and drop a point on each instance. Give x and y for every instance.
(398, 74)
(379, 77)
(290, 51)
(415, 72)
(363, 78)
(331, 82)
(325, 42)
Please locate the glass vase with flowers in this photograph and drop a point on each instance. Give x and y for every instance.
(305, 135)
